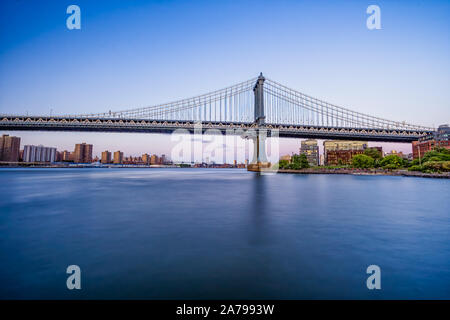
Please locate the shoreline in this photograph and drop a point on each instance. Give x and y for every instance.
(357, 172)
(362, 172)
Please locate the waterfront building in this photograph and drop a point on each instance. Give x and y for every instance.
(106, 157)
(163, 159)
(146, 158)
(9, 148)
(154, 159)
(67, 156)
(39, 154)
(311, 150)
(82, 153)
(396, 153)
(338, 152)
(341, 157)
(439, 139)
(118, 157)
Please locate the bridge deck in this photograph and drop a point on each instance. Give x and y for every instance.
(162, 126)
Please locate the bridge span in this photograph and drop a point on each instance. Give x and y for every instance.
(255, 104)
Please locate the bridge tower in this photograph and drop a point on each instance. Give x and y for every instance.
(258, 90)
(259, 135)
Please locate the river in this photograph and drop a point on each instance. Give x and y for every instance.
(221, 234)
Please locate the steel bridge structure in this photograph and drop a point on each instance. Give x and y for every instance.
(255, 104)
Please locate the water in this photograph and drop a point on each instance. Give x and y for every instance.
(225, 233)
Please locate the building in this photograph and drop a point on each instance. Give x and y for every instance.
(66, 156)
(154, 159)
(311, 150)
(438, 139)
(39, 154)
(82, 153)
(341, 157)
(286, 157)
(106, 157)
(146, 158)
(163, 159)
(396, 153)
(58, 157)
(118, 157)
(443, 132)
(9, 148)
(342, 152)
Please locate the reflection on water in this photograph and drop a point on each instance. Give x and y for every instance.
(225, 233)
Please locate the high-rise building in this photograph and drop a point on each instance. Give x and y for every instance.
(66, 156)
(311, 150)
(82, 153)
(154, 159)
(118, 157)
(163, 159)
(106, 157)
(9, 148)
(335, 148)
(146, 158)
(39, 154)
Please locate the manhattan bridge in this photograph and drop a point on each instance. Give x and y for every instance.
(258, 105)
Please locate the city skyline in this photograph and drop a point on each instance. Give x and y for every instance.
(83, 152)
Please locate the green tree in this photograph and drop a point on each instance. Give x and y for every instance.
(363, 161)
(392, 161)
(303, 161)
(299, 162)
(283, 164)
(373, 153)
(439, 154)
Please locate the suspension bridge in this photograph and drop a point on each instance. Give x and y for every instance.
(258, 103)
(249, 108)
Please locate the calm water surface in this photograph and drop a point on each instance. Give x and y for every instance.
(225, 233)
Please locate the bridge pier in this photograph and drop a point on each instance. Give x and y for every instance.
(259, 162)
(259, 136)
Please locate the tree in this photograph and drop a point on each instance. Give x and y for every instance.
(303, 161)
(373, 153)
(299, 162)
(283, 164)
(392, 161)
(439, 154)
(363, 161)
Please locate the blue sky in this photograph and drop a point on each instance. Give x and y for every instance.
(139, 53)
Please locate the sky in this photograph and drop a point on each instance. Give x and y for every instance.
(139, 53)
